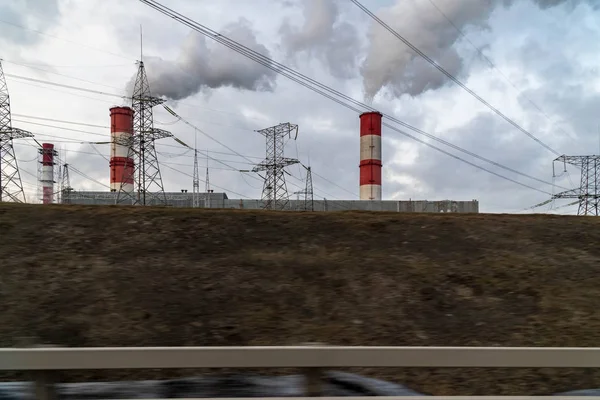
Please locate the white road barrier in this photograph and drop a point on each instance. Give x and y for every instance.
(43, 360)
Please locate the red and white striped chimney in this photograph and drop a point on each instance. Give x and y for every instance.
(121, 166)
(47, 172)
(370, 156)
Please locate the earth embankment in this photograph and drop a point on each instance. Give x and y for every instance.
(121, 276)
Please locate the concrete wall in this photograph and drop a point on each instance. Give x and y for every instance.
(174, 199)
(220, 200)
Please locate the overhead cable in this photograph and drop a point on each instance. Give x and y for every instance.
(320, 88)
(451, 77)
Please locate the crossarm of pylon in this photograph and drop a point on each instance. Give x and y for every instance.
(569, 194)
(543, 203)
(149, 101)
(288, 161)
(576, 160)
(160, 134)
(17, 133)
(263, 166)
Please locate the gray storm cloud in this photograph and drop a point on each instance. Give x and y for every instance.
(202, 66)
(391, 64)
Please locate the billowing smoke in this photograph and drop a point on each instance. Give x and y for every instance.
(202, 66)
(391, 64)
(323, 34)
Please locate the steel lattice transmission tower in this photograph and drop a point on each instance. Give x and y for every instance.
(11, 186)
(65, 185)
(275, 195)
(588, 191)
(196, 182)
(207, 188)
(309, 202)
(149, 189)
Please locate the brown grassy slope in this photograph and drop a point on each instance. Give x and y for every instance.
(100, 276)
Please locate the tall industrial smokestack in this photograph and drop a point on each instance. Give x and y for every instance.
(121, 166)
(46, 174)
(370, 156)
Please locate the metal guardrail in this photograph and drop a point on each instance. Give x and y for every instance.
(57, 358)
(42, 361)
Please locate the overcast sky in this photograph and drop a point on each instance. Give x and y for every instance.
(545, 77)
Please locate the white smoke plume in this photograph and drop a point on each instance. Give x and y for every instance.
(391, 64)
(322, 34)
(201, 65)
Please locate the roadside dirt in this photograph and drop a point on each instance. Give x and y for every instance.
(115, 276)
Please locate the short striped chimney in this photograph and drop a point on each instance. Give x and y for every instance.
(370, 156)
(46, 177)
(121, 166)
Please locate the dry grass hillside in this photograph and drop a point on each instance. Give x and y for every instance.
(100, 276)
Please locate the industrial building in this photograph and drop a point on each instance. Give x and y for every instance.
(220, 200)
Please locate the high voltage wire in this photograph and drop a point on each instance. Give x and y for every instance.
(491, 63)
(65, 86)
(181, 119)
(212, 158)
(241, 155)
(168, 165)
(170, 110)
(60, 120)
(468, 162)
(323, 89)
(59, 74)
(58, 127)
(119, 89)
(77, 171)
(387, 125)
(65, 40)
(475, 155)
(450, 76)
(128, 58)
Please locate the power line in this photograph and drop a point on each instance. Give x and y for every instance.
(212, 184)
(84, 175)
(65, 40)
(59, 127)
(389, 126)
(475, 155)
(194, 106)
(87, 176)
(331, 182)
(230, 168)
(97, 153)
(271, 60)
(70, 140)
(63, 75)
(491, 63)
(172, 112)
(66, 86)
(465, 161)
(309, 82)
(247, 158)
(430, 136)
(61, 120)
(450, 76)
